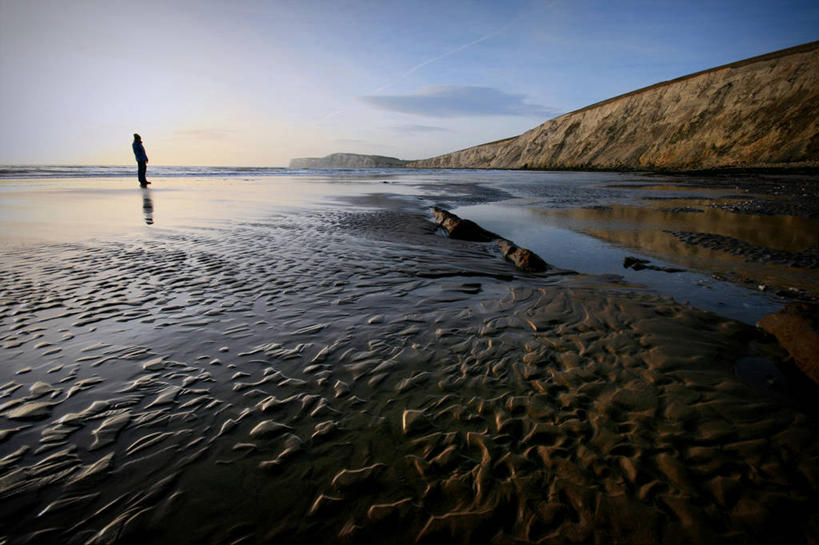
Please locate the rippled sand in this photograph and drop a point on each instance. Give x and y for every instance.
(347, 374)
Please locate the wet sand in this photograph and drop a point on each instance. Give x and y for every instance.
(330, 372)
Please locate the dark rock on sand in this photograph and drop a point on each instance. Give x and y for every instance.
(462, 229)
(796, 327)
(523, 259)
(631, 262)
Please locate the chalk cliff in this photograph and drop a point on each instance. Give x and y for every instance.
(760, 112)
(347, 160)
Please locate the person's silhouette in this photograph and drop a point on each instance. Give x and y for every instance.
(141, 159)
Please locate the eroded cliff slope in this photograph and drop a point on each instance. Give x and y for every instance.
(758, 112)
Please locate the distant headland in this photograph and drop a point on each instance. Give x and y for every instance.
(761, 112)
(347, 160)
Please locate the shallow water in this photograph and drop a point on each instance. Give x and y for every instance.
(591, 224)
(79, 209)
(305, 361)
(597, 251)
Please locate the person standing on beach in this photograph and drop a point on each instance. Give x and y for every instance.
(141, 159)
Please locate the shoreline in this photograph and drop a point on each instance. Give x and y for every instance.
(808, 168)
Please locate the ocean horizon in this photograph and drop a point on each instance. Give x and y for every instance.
(128, 171)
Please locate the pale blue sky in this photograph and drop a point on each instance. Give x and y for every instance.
(236, 82)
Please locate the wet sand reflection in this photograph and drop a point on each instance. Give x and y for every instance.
(147, 206)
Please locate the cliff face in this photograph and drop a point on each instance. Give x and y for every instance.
(762, 111)
(347, 160)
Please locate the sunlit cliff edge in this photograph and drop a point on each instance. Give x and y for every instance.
(347, 160)
(759, 112)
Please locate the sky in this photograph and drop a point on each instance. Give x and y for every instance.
(256, 83)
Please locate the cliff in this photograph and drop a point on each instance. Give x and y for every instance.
(347, 160)
(760, 112)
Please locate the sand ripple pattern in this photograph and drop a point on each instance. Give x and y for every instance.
(806, 259)
(353, 377)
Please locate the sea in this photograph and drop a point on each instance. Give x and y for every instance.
(119, 171)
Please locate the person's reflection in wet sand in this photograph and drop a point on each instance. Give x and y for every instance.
(147, 206)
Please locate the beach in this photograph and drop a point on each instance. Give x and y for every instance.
(307, 358)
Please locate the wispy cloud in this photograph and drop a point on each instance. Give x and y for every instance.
(415, 129)
(459, 101)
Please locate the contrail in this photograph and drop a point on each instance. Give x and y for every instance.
(458, 49)
(445, 55)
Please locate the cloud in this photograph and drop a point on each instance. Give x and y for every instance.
(414, 129)
(459, 101)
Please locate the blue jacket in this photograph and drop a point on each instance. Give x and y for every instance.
(139, 152)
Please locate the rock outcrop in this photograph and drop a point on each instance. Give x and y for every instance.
(638, 264)
(462, 229)
(796, 327)
(456, 227)
(347, 160)
(760, 112)
(523, 259)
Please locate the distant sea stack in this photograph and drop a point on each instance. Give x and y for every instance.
(347, 160)
(760, 112)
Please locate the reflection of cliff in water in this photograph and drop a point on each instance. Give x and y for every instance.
(647, 229)
(789, 233)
